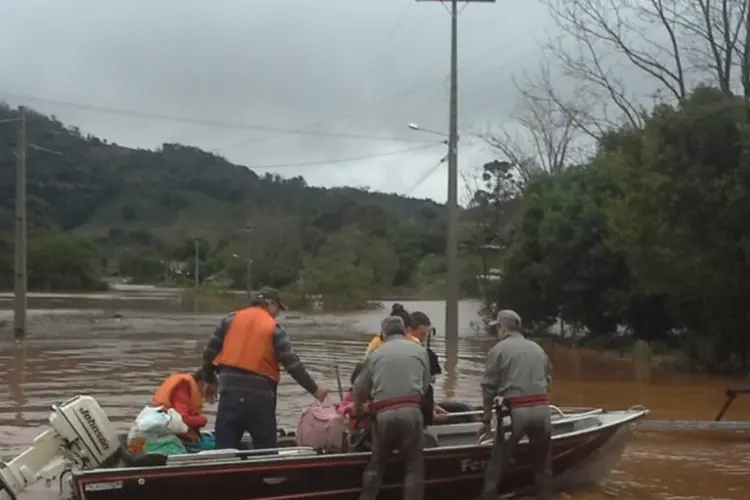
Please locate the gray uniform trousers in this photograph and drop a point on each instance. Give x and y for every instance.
(396, 430)
(534, 422)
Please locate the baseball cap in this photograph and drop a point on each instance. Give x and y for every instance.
(268, 293)
(507, 318)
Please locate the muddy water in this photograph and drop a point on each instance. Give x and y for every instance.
(120, 361)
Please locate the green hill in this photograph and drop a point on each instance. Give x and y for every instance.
(153, 204)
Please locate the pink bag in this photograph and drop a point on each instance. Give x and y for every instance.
(321, 427)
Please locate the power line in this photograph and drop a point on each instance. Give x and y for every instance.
(384, 100)
(389, 34)
(198, 121)
(341, 160)
(425, 176)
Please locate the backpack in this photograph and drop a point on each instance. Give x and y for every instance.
(321, 427)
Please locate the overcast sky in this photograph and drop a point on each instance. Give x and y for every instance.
(288, 64)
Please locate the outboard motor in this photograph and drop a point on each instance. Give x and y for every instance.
(81, 437)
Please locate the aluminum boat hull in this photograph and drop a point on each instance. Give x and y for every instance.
(581, 457)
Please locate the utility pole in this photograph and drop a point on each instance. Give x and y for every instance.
(197, 265)
(452, 237)
(249, 278)
(20, 282)
(249, 262)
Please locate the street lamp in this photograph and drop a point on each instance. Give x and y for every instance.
(416, 127)
(248, 264)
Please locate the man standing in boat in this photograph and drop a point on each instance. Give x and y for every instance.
(247, 349)
(395, 378)
(517, 375)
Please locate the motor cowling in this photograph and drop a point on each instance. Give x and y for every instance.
(81, 437)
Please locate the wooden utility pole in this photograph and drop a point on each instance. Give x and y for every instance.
(249, 263)
(452, 237)
(20, 281)
(197, 264)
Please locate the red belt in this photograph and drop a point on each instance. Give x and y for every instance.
(527, 401)
(395, 404)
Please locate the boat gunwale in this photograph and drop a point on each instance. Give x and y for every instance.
(627, 417)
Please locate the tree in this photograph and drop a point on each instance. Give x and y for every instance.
(681, 220)
(546, 131)
(558, 263)
(63, 261)
(673, 44)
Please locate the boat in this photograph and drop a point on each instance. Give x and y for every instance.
(84, 454)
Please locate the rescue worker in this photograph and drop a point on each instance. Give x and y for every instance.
(247, 350)
(417, 327)
(517, 374)
(394, 378)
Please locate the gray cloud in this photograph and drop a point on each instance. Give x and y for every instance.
(285, 64)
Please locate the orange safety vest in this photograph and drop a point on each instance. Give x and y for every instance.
(248, 343)
(163, 395)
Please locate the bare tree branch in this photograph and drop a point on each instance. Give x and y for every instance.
(548, 128)
(675, 43)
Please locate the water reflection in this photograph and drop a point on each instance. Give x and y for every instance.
(16, 380)
(121, 360)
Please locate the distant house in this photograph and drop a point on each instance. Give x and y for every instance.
(177, 267)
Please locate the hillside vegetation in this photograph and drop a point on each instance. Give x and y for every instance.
(144, 209)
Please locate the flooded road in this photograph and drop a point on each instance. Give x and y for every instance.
(119, 355)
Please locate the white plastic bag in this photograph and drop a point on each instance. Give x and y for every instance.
(152, 420)
(176, 425)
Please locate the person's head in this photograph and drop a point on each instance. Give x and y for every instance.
(507, 321)
(207, 390)
(270, 298)
(398, 310)
(355, 372)
(419, 325)
(391, 326)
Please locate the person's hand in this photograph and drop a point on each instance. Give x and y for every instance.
(321, 394)
(208, 391)
(484, 430)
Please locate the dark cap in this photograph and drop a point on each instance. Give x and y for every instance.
(268, 293)
(392, 325)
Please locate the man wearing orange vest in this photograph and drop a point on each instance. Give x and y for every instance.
(247, 350)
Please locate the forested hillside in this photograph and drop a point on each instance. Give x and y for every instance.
(145, 208)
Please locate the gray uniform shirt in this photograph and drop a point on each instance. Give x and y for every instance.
(399, 368)
(516, 366)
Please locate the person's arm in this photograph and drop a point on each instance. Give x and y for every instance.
(374, 344)
(214, 347)
(362, 385)
(181, 404)
(491, 381)
(290, 361)
(548, 370)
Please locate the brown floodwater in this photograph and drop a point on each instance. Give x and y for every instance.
(120, 360)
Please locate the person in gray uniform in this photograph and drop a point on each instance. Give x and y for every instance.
(394, 378)
(517, 375)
